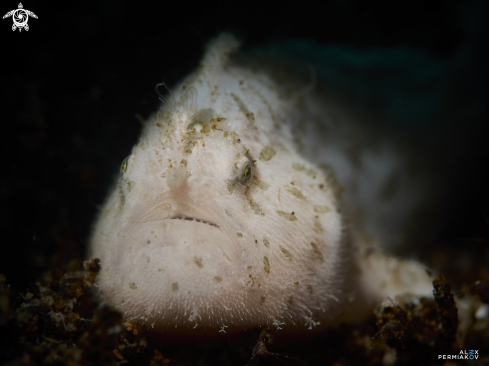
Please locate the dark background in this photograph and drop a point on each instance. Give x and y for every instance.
(76, 85)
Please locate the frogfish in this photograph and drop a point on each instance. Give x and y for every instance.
(265, 193)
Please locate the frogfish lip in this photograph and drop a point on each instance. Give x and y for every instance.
(168, 227)
(188, 218)
(180, 210)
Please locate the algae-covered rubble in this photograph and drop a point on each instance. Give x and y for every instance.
(56, 321)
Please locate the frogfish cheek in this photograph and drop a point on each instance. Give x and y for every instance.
(166, 255)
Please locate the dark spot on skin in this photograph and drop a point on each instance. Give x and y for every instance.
(198, 262)
(252, 282)
(250, 116)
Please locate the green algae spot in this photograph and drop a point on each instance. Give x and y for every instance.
(297, 193)
(267, 153)
(321, 209)
(266, 242)
(302, 168)
(174, 286)
(242, 107)
(287, 254)
(263, 185)
(287, 215)
(254, 206)
(205, 130)
(198, 262)
(217, 279)
(266, 264)
(130, 184)
(318, 253)
(230, 183)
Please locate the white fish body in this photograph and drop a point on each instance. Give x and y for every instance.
(245, 204)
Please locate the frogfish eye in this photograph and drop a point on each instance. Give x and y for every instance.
(124, 165)
(244, 169)
(246, 172)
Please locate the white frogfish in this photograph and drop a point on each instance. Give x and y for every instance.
(256, 196)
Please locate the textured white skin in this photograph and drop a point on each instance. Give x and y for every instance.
(270, 250)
